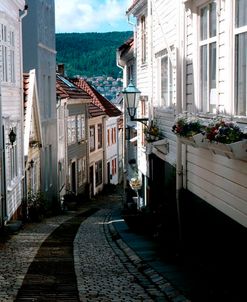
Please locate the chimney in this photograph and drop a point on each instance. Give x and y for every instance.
(60, 68)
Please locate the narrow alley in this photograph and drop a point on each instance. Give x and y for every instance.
(78, 256)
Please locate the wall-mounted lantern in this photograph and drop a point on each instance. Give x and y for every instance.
(12, 137)
(131, 97)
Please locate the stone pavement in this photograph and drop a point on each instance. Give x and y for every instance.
(106, 268)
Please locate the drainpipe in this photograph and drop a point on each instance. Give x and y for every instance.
(179, 102)
(24, 187)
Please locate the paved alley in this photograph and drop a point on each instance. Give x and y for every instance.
(78, 256)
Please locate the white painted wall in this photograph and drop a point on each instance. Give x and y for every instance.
(11, 101)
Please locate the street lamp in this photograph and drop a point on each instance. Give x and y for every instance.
(131, 97)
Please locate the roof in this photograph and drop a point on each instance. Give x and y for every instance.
(94, 110)
(127, 45)
(134, 4)
(67, 89)
(97, 98)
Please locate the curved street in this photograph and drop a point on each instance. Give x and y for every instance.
(78, 256)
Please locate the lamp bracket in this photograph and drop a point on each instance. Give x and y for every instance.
(141, 120)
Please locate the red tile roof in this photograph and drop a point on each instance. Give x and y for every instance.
(97, 98)
(25, 92)
(66, 89)
(94, 110)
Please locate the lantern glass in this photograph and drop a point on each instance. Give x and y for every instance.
(131, 97)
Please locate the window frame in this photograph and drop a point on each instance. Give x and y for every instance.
(204, 106)
(92, 138)
(100, 135)
(237, 31)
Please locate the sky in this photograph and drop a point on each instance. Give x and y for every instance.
(91, 15)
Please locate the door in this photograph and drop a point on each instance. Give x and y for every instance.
(73, 177)
(108, 172)
(91, 179)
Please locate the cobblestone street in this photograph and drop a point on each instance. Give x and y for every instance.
(36, 263)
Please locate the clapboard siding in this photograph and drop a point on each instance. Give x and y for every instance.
(220, 181)
(219, 204)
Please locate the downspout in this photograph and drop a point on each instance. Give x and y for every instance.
(179, 102)
(24, 188)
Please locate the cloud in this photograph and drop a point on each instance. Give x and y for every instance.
(91, 15)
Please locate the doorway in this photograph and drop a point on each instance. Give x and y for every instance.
(73, 177)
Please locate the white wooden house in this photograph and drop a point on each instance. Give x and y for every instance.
(11, 104)
(191, 56)
(32, 135)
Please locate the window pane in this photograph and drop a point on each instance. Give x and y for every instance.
(100, 136)
(241, 13)
(212, 76)
(92, 138)
(212, 16)
(203, 23)
(240, 74)
(204, 77)
(164, 80)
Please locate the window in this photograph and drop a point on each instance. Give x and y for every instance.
(166, 80)
(98, 172)
(108, 137)
(130, 73)
(80, 127)
(144, 40)
(81, 171)
(92, 138)
(12, 57)
(240, 57)
(208, 40)
(7, 39)
(113, 134)
(100, 138)
(71, 130)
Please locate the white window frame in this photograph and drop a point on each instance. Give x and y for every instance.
(80, 127)
(205, 106)
(71, 126)
(170, 80)
(237, 31)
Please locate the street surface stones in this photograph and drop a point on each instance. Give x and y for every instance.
(78, 256)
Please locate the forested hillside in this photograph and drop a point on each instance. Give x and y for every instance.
(90, 54)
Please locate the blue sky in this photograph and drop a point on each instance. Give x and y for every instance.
(91, 15)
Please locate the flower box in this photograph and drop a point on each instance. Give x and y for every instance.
(237, 150)
(187, 141)
(200, 141)
(149, 148)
